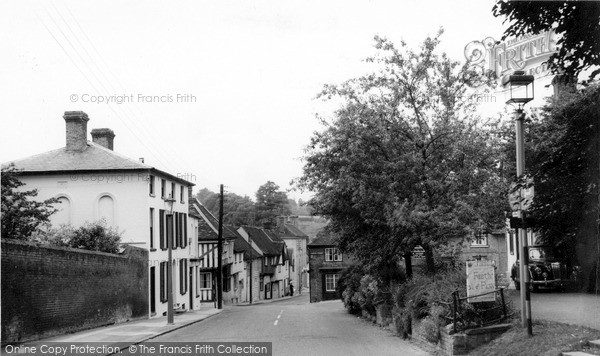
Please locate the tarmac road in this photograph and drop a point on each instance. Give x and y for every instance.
(297, 327)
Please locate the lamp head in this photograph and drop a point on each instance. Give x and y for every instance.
(169, 204)
(519, 86)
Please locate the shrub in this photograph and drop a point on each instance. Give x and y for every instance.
(94, 236)
(349, 289)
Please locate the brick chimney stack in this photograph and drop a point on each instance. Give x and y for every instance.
(76, 129)
(103, 137)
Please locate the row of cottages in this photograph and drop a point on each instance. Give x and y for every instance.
(256, 262)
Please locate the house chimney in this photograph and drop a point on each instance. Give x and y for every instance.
(76, 129)
(141, 159)
(103, 137)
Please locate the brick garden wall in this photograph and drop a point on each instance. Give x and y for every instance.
(53, 290)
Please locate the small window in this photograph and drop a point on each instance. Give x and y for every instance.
(331, 281)
(332, 255)
(205, 280)
(173, 190)
(151, 184)
(181, 195)
(163, 185)
(479, 240)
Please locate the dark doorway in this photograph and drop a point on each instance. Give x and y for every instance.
(152, 291)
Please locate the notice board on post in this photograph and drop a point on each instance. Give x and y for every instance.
(481, 279)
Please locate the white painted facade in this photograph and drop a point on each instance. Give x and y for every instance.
(124, 200)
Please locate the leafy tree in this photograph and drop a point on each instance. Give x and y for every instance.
(405, 161)
(237, 210)
(270, 202)
(21, 215)
(565, 167)
(576, 22)
(94, 236)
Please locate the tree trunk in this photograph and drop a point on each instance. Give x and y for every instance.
(429, 262)
(408, 264)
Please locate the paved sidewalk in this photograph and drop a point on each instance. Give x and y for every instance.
(132, 332)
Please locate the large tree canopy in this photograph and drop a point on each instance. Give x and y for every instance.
(405, 161)
(576, 22)
(565, 146)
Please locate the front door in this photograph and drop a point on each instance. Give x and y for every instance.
(268, 291)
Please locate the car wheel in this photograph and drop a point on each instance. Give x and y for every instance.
(533, 288)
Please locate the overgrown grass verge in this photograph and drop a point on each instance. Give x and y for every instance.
(549, 339)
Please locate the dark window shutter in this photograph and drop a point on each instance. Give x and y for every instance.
(185, 235)
(176, 227)
(163, 292)
(161, 226)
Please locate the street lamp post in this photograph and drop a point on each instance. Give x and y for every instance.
(170, 310)
(520, 91)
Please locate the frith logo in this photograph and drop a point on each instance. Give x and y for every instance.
(527, 53)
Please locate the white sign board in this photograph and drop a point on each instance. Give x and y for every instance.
(481, 279)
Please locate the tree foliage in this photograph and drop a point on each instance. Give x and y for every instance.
(237, 210)
(576, 22)
(241, 210)
(405, 161)
(270, 202)
(94, 236)
(21, 215)
(566, 170)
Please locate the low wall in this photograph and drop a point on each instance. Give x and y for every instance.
(54, 290)
(462, 343)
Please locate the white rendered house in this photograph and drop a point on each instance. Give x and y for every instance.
(92, 182)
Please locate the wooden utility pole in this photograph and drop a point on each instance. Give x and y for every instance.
(220, 255)
(251, 262)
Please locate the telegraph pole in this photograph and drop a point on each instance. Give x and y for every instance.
(220, 253)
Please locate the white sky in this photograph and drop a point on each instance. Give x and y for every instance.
(254, 68)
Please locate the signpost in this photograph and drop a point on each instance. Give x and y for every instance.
(481, 279)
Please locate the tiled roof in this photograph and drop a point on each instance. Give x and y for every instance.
(205, 232)
(263, 241)
(211, 222)
(324, 239)
(291, 230)
(93, 158)
(240, 245)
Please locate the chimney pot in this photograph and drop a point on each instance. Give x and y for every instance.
(142, 159)
(103, 137)
(76, 130)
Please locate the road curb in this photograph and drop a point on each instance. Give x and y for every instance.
(160, 333)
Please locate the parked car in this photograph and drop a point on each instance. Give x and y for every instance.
(548, 270)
